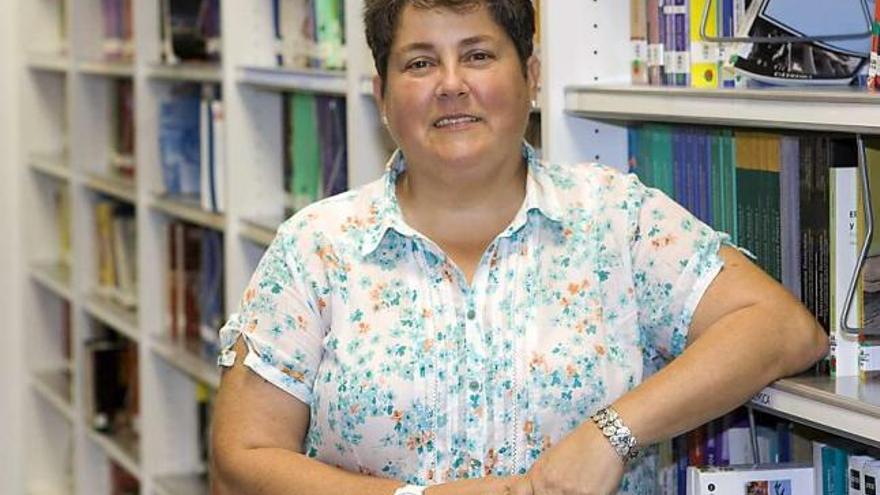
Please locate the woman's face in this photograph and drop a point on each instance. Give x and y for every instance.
(455, 92)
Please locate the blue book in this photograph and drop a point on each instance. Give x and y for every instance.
(179, 143)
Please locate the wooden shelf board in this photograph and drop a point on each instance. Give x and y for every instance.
(54, 276)
(114, 68)
(187, 71)
(189, 210)
(51, 62)
(122, 449)
(55, 387)
(837, 110)
(844, 406)
(187, 361)
(115, 315)
(117, 187)
(288, 79)
(54, 166)
(260, 230)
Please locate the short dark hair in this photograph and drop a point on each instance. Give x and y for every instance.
(381, 17)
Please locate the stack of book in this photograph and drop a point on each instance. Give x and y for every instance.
(116, 239)
(793, 201)
(309, 33)
(118, 41)
(190, 30)
(192, 144)
(669, 48)
(195, 287)
(315, 150)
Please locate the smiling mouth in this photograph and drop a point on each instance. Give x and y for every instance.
(453, 121)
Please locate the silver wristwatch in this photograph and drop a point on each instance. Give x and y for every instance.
(410, 490)
(617, 433)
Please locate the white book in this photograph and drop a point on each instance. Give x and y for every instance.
(218, 127)
(750, 478)
(856, 474)
(844, 352)
(871, 475)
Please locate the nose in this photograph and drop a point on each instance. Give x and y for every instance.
(452, 82)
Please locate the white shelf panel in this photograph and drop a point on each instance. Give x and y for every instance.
(182, 484)
(117, 187)
(122, 449)
(187, 361)
(285, 79)
(843, 406)
(54, 387)
(52, 62)
(853, 111)
(261, 230)
(54, 276)
(54, 166)
(187, 71)
(189, 210)
(111, 313)
(113, 68)
(40, 487)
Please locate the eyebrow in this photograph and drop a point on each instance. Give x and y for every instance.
(425, 46)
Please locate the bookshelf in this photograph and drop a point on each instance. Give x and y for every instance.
(585, 103)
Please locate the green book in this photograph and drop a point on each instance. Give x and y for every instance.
(306, 174)
(330, 33)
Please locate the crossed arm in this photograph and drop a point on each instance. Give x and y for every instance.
(747, 331)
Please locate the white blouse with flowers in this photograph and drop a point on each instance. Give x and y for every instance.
(412, 373)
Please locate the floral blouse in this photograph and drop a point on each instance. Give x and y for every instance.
(415, 374)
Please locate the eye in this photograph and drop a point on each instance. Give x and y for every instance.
(418, 64)
(479, 57)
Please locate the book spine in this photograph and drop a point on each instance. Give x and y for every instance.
(655, 43)
(638, 38)
(703, 54)
(874, 63)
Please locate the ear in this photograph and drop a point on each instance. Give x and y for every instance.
(533, 76)
(377, 94)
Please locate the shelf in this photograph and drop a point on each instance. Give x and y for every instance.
(113, 68)
(187, 71)
(52, 62)
(117, 187)
(182, 484)
(285, 79)
(54, 387)
(121, 448)
(54, 276)
(260, 230)
(190, 210)
(844, 406)
(111, 313)
(178, 356)
(51, 165)
(40, 487)
(838, 110)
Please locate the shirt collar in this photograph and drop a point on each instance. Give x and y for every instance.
(540, 197)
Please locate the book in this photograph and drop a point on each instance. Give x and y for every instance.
(844, 190)
(751, 479)
(179, 140)
(638, 37)
(874, 61)
(703, 54)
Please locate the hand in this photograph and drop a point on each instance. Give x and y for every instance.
(490, 485)
(583, 463)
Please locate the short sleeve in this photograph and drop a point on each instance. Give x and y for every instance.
(279, 318)
(675, 257)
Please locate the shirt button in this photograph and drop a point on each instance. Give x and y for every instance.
(474, 385)
(471, 314)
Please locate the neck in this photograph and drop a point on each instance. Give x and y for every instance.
(442, 194)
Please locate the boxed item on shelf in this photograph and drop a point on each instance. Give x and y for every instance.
(751, 479)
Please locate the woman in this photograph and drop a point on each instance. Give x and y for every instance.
(456, 324)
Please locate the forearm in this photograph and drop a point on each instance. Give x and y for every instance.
(270, 471)
(735, 357)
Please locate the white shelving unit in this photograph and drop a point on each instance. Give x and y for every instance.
(585, 103)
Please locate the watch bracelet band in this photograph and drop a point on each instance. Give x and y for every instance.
(617, 433)
(410, 490)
